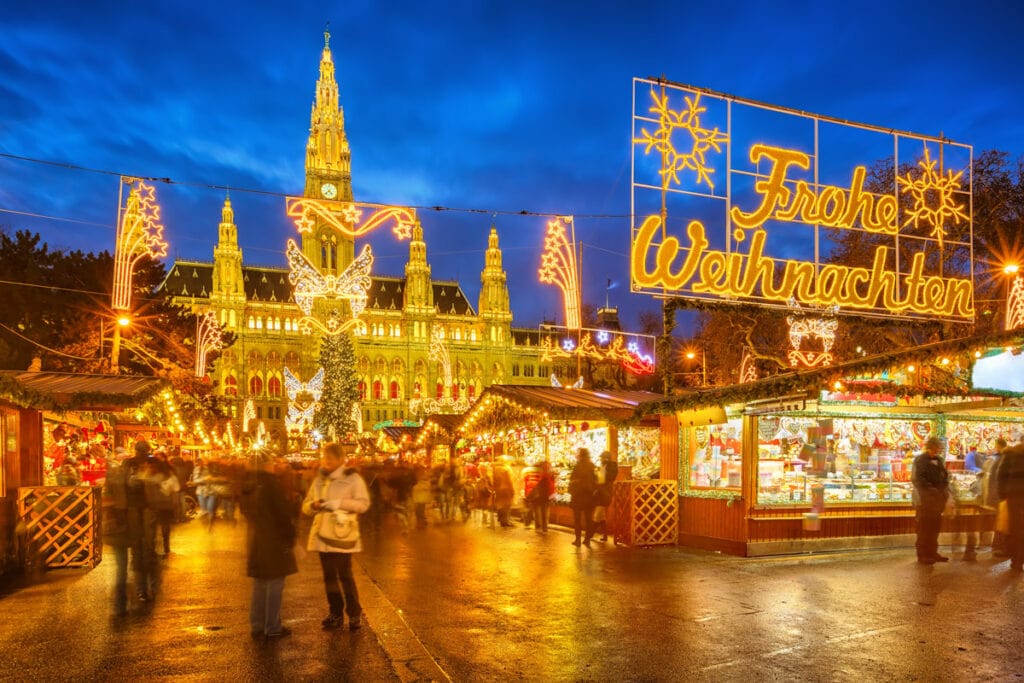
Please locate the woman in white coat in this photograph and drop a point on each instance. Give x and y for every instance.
(338, 487)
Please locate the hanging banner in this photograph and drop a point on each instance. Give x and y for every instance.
(738, 201)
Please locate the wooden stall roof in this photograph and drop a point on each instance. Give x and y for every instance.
(801, 382)
(61, 391)
(559, 403)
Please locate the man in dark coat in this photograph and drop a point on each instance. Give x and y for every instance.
(931, 487)
(1010, 487)
(271, 542)
(582, 484)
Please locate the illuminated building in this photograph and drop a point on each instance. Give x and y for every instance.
(401, 314)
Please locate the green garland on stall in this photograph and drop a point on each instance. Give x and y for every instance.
(815, 380)
(16, 393)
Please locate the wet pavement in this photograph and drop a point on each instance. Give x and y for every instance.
(466, 602)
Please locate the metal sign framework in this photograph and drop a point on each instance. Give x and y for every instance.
(720, 183)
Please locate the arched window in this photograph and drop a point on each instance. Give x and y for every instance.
(259, 323)
(417, 389)
(472, 335)
(380, 366)
(254, 359)
(273, 359)
(455, 391)
(255, 386)
(362, 390)
(393, 394)
(231, 319)
(252, 323)
(440, 390)
(231, 386)
(397, 367)
(274, 386)
(378, 390)
(291, 359)
(471, 392)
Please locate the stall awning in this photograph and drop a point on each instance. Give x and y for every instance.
(504, 405)
(60, 391)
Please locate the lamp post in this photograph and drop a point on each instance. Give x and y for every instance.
(115, 346)
(690, 355)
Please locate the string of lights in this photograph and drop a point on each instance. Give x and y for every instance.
(272, 193)
(42, 346)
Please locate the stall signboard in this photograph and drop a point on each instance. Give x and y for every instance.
(743, 202)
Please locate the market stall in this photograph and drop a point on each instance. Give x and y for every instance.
(62, 521)
(531, 424)
(820, 459)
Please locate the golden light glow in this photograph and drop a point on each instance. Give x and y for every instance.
(139, 234)
(911, 368)
(558, 267)
(1011, 269)
(690, 355)
(248, 415)
(303, 398)
(347, 217)
(933, 197)
(124, 321)
(208, 338)
(738, 275)
(702, 140)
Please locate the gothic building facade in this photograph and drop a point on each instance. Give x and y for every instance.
(394, 361)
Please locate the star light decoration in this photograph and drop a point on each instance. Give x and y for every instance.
(309, 284)
(702, 140)
(347, 217)
(748, 368)
(139, 234)
(558, 267)
(629, 355)
(446, 404)
(933, 192)
(302, 399)
(1015, 305)
(208, 338)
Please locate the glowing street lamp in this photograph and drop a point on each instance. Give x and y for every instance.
(691, 355)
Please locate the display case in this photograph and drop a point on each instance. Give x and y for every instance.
(853, 461)
(714, 455)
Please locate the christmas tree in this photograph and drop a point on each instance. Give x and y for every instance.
(333, 417)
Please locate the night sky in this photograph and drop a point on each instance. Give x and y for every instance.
(487, 109)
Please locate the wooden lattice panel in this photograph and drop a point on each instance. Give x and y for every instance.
(63, 524)
(645, 512)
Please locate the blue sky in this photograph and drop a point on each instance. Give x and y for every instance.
(496, 108)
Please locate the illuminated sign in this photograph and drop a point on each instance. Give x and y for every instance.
(310, 284)
(208, 338)
(558, 267)
(803, 327)
(347, 218)
(139, 234)
(303, 398)
(1015, 305)
(738, 201)
(625, 348)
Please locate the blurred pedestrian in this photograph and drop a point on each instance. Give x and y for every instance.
(338, 487)
(606, 475)
(990, 498)
(116, 529)
(540, 497)
(1010, 487)
(530, 477)
(421, 497)
(504, 492)
(162, 487)
(582, 484)
(200, 478)
(931, 490)
(271, 546)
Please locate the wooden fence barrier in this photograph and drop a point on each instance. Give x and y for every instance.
(645, 512)
(63, 524)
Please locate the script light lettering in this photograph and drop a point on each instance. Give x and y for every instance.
(832, 206)
(705, 271)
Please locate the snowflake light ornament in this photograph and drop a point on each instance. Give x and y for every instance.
(933, 192)
(702, 140)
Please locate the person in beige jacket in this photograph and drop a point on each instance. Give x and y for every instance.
(338, 487)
